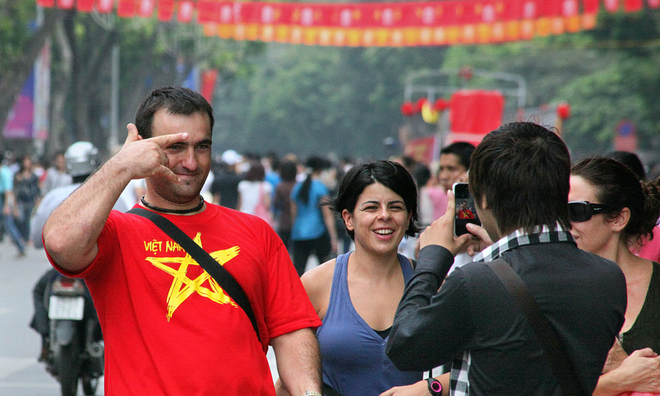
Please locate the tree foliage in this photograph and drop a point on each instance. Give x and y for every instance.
(324, 99)
(346, 100)
(320, 100)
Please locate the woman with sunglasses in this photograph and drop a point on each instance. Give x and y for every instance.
(611, 211)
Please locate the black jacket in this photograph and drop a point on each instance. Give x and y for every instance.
(583, 296)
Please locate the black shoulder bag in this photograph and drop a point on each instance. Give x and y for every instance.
(546, 334)
(217, 271)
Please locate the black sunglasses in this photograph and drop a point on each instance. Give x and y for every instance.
(579, 211)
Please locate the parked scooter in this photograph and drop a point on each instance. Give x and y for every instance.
(76, 348)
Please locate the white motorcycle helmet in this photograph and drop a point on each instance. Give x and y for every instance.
(81, 159)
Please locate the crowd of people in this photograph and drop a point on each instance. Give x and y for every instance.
(396, 293)
(23, 182)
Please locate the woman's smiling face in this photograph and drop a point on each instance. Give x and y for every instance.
(380, 219)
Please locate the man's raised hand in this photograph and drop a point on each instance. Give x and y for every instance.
(146, 157)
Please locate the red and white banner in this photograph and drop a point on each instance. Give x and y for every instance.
(371, 24)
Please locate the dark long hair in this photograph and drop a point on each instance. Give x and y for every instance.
(619, 187)
(315, 164)
(390, 174)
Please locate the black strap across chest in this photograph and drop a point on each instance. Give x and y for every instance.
(212, 267)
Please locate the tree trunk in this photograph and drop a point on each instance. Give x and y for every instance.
(58, 139)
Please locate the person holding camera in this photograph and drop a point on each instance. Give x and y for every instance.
(519, 178)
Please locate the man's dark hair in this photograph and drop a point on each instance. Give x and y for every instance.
(463, 150)
(388, 173)
(421, 174)
(522, 170)
(256, 172)
(177, 100)
(288, 171)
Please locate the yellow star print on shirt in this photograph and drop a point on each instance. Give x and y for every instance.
(183, 287)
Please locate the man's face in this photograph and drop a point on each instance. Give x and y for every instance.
(450, 170)
(190, 160)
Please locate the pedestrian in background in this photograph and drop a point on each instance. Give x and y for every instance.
(56, 174)
(282, 201)
(314, 225)
(254, 193)
(27, 195)
(8, 201)
(225, 184)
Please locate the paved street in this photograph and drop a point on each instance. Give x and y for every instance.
(20, 373)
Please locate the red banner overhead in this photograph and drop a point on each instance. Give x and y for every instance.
(372, 24)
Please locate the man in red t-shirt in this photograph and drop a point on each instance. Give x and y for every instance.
(169, 328)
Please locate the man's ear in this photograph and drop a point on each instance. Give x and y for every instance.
(619, 221)
(483, 204)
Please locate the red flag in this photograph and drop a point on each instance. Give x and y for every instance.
(632, 5)
(85, 5)
(65, 4)
(511, 9)
(209, 78)
(548, 8)
(185, 12)
(227, 13)
(46, 3)
(104, 6)
(165, 10)
(569, 8)
(591, 6)
(146, 8)
(208, 11)
(530, 9)
(465, 104)
(126, 8)
(612, 5)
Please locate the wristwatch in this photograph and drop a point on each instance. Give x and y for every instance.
(313, 393)
(435, 387)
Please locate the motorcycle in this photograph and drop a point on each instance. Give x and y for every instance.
(76, 349)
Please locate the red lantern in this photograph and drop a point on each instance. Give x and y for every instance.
(407, 109)
(420, 102)
(563, 110)
(465, 73)
(440, 104)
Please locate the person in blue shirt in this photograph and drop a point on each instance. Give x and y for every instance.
(314, 225)
(8, 203)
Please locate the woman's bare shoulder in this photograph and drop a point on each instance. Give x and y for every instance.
(318, 284)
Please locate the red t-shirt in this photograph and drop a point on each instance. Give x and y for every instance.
(168, 328)
(465, 214)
